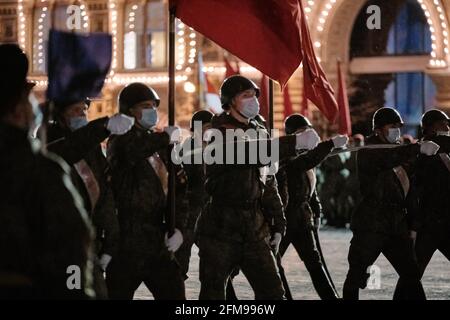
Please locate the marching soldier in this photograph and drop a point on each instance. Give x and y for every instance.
(432, 219)
(232, 230)
(196, 194)
(139, 162)
(303, 208)
(45, 236)
(380, 222)
(77, 141)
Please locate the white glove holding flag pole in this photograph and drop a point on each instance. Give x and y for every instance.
(175, 241)
(308, 139)
(174, 133)
(120, 124)
(340, 141)
(104, 261)
(429, 148)
(275, 242)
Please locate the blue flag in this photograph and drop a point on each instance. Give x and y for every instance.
(77, 65)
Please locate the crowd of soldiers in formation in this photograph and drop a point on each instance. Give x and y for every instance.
(65, 206)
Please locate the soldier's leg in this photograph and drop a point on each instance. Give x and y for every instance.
(306, 248)
(217, 261)
(183, 254)
(399, 251)
(230, 293)
(121, 280)
(425, 247)
(101, 292)
(165, 279)
(259, 267)
(285, 242)
(364, 249)
(444, 246)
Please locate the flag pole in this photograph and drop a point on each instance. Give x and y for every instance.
(170, 218)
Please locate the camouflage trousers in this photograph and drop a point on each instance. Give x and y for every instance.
(219, 258)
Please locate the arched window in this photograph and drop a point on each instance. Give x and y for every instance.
(144, 34)
(46, 17)
(391, 62)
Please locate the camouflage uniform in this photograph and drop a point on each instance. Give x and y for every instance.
(297, 179)
(142, 204)
(82, 147)
(45, 228)
(380, 222)
(232, 229)
(196, 198)
(432, 217)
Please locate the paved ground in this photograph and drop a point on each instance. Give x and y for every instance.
(335, 245)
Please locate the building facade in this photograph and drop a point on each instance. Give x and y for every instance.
(394, 52)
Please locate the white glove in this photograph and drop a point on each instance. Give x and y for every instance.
(120, 124)
(339, 141)
(429, 148)
(105, 259)
(275, 242)
(174, 133)
(308, 139)
(175, 241)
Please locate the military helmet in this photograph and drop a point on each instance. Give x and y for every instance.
(204, 116)
(294, 122)
(234, 85)
(60, 106)
(432, 116)
(385, 116)
(135, 93)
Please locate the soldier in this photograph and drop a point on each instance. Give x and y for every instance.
(232, 230)
(139, 162)
(432, 219)
(303, 208)
(46, 237)
(77, 141)
(379, 223)
(196, 194)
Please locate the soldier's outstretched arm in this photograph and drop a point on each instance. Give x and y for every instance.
(313, 158)
(377, 160)
(130, 150)
(79, 143)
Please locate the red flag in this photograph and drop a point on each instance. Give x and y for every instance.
(316, 86)
(229, 70)
(260, 34)
(264, 97)
(304, 109)
(288, 110)
(345, 123)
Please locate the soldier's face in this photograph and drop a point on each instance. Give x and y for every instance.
(440, 126)
(136, 111)
(383, 132)
(300, 130)
(237, 101)
(78, 109)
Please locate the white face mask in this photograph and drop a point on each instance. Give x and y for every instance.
(149, 118)
(250, 107)
(443, 133)
(393, 135)
(77, 122)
